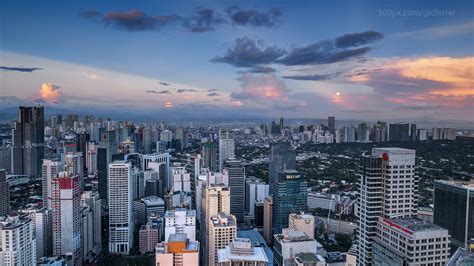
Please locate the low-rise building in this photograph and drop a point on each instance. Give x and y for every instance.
(242, 252)
(179, 250)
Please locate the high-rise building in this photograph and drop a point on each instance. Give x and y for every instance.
(108, 140)
(181, 179)
(236, 173)
(209, 156)
(177, 251)
(92, 225)
(282, 157)
(331, 124)
(28, 141)
(289, 195)
(241, 251)
(388, 185)
(291, 244)
(147, 143)
(362, 133)
(50, 170)
(413, 136)
(82, 140)
(5, 157)
(282, 125)
(222, 229)
(226, 146)
(399, 132)
(102, 172)
(255, 191)
(302, 222)
(17, 241)
(4, 194)
(180, 221)
(120, 207)
(67, 223)
(73, 163)
(149, 236)
(380, 132)
(454, 210)
(267, 219)
(91, 157)
(42, 221)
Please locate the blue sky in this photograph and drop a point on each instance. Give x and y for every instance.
(115, 54)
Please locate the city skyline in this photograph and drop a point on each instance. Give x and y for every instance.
(255, 59)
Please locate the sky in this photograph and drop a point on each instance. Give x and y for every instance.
(299, 59)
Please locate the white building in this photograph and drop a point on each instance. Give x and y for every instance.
(42, 221)
(290, 243)
(256, 190)
(120, 208)
(222, 229)
(91, 157)
(73, 163)
(181, 179)
(410, 241)
(302, 222)
(317, 200)
(92, 223)
(17, 241)
(180, 221)
(226, 146)
(241, 252)
(50, 169)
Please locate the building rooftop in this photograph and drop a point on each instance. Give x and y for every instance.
(241, 249)
(153, 201)
(413, 224)
(289, 235)
(188, 213)
(257, 241)
(179, 237)
(461, 257)
(458, 183)
(223, 219)
(307, 257)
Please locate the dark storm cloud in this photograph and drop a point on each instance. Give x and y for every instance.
(204, 20)
(90, 14)
(260, 69)
(135, 20)
(185, 90)
(313, 77)
(159, 92)
(212, 94)
(358, 39)
(20, 69)
(253, 17)
(247, 53)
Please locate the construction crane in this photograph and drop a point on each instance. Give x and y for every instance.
(338, 214)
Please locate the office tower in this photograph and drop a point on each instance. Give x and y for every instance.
(331, 123)
(67, 226)
(236, 173)
(70, 119)
(282, 126)
(5, 157)
(180, 221)
(222, 230)
(290, 245)
(91, 157)
(209, 156)
(17, 241)
(422, 134)
(28, 141)
(109, 142)
(379, 177)
(282, 157)
(120, 208)
(82, 140)
(147, 143)
(149, 236)
(258, 212)
(94, 132)
(454, 210)
(267, 219)
(158, 163)
(166, 137)
(147, 207)
(4, 194)
(42, 221)
(92, 206)
(255, 191)
(409, 241)
(226, 146)
(302, 222)
(177, 251)
(380, 132)
(275, 128)
(399, 132)
(289, 195)
(50, 170)
(102, 172)
(73, 163)
(181, 179)
(413, 136)
(241, 251)
(127, 146)
(362, 133)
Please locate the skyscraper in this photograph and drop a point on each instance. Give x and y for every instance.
(91, 157)
(226, 146)
(209, 156)
(282, 157)
(28, 141)
(74, 163)
(454, 210)
(120, 207)
(267, 219)
(379, 176)
(67, 223)
(255, 191)
(289, 195)
(102, 172)
(413, 131)
(222, 230)
(82, 140)
(399, 132)
(282, 126)
(331, 124)
(18, 240)
(4, 194)
(236, 173)
(42, 221)
(50, 170)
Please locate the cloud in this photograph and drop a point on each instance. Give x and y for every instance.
(92, 76)
(261, 89)
(260, 70)
(212, 94)
(185, 90)
(136, 20)
(168, 105)
(204, 20)
(358, 39)
(90, 14)
(247, 53)
(313, 77)
(164, 83)
(20, 69)
(211, 90)
(48, 93)
(253, 17)
(440, 31)
(159, 92)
